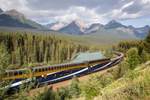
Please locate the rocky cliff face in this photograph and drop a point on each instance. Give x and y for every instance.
(127, 30)
(93, 27)
(74, 27)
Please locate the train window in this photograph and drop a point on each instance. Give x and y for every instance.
(46, 69)
(26, 72)
(70, 72)
(54, 75)
(36, 70)
(49, 68)
(52, 68)
(42, 69)
(15, 73)
(39, 69)
(10, 73)
(64, 73)
(20, 72)
(58, 67)
(67, 72)
(60, 74)
(5, 74)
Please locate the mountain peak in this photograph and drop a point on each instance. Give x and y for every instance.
(13, 12)
(80, 23)
(1, 11)
(113, 24)
(147, 26)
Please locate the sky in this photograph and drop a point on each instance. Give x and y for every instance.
(127, 12)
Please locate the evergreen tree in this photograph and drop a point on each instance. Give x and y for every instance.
(133, 58)
(57, 52)
(25, 60)
(4, 57)
(34, 54)
(41, 51)
(146, 43)
(52, 51)
(46, 55)
(18, 57)
(143, 56)
(73, 87)
(68, 57)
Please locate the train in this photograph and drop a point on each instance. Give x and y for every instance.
(55, 73)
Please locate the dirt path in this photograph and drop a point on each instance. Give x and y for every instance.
(66, 82)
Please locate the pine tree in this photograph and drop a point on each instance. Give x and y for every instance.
(143, 56)
(146, 43)
(25, 60)
(4, 57)
(41, 51)
(34, 54)
(18, 57)
(13, 57)
(68, 57)
(57, 52)
(52, 52)
(73, 87)
(133, 58)
(46, 55)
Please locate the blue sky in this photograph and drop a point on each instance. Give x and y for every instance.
(127, 12)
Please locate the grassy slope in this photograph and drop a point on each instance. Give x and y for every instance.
(134, 85)
(87, 39)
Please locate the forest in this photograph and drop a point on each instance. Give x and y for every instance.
(32, 50)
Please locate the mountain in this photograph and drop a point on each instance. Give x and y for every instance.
(93, 27)
(76, 27)
(55, 26)
(140, 32)
(1, 10)
(118, 26)
(113, 24)
(14, 18)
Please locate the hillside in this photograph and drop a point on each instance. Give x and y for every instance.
(14, 18)
(86, 39)
(111, 33)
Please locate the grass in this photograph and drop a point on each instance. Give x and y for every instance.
(134, 85)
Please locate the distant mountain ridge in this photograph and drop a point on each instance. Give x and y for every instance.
(14, 18)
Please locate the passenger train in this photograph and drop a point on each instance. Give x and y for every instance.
(56, 73)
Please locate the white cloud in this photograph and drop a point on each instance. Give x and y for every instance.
(147, 20)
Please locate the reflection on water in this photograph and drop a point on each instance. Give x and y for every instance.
(86, 56)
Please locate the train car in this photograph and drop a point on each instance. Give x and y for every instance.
(66, 71)
(17, 77)
(56, 73)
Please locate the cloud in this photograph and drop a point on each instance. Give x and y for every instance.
(102, 11)
(147, 20)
